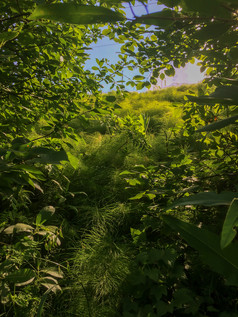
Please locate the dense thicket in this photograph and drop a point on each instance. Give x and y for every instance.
(94, 188)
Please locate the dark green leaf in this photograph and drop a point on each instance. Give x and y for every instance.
(162, 19)
(228, 231)
(75, 14)
(111, 98)
(170, 3)
(7, 36)
(207, 244)
(219, 124)
(211, 31)
(21, 277)
(44, 214)
(226, 95)
(206, 199)
(208, 8)
(49, 156)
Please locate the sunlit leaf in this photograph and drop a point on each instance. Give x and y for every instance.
(45, 213)
(19, 227)
(206, 199)
(53, 272)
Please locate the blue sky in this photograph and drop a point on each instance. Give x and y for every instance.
(107, 48)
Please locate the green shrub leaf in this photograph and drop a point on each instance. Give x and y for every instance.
(19, 227)
(228, 232)
(44, 214)
(21, 277)
(219, 124)
(75, 14)
(206, 199)
(207, 244)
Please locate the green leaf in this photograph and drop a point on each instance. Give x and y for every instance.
(7, 36)
(138, 77)
(226, 95)
(219, 124)
(53, 272)
(138, 196)
(111, 98)
(170, 3)
(75, 14)
(21, 277)
(228, 232)
(50, 283)
(211, 31)
(48, 156)
(19, 227)
(45, 214)
(208, 8)
(207, 244)
(225, 80)
(162, 19)
(206, 199)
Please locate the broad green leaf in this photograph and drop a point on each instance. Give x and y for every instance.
(138, 196)
(150, 195)
(226, 92)
(29, 168)
(206, 199)
(73, 160)
(207, 244)
(21, 277)
(209, 8)
(226, 95)
(228, 232)
(50, 283)
(48, 156)
(133, 181)
(211, 31)
(126, 173)
(225, 80)
(53, 272)
(19, 227)
(233, 54)
(138, 77)
(170, 3)
(45, 214)
(75, 14)
(161, 19)
(7, 36)
(111, 98)
(219, 124)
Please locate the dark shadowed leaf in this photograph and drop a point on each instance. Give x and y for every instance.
(162, 19)
(207, 244)
(228, 231)
(21, 277)
(219, 124)
(48, 156)
(75, 14)
(226, 95)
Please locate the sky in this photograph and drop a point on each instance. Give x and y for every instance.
(107, 48)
